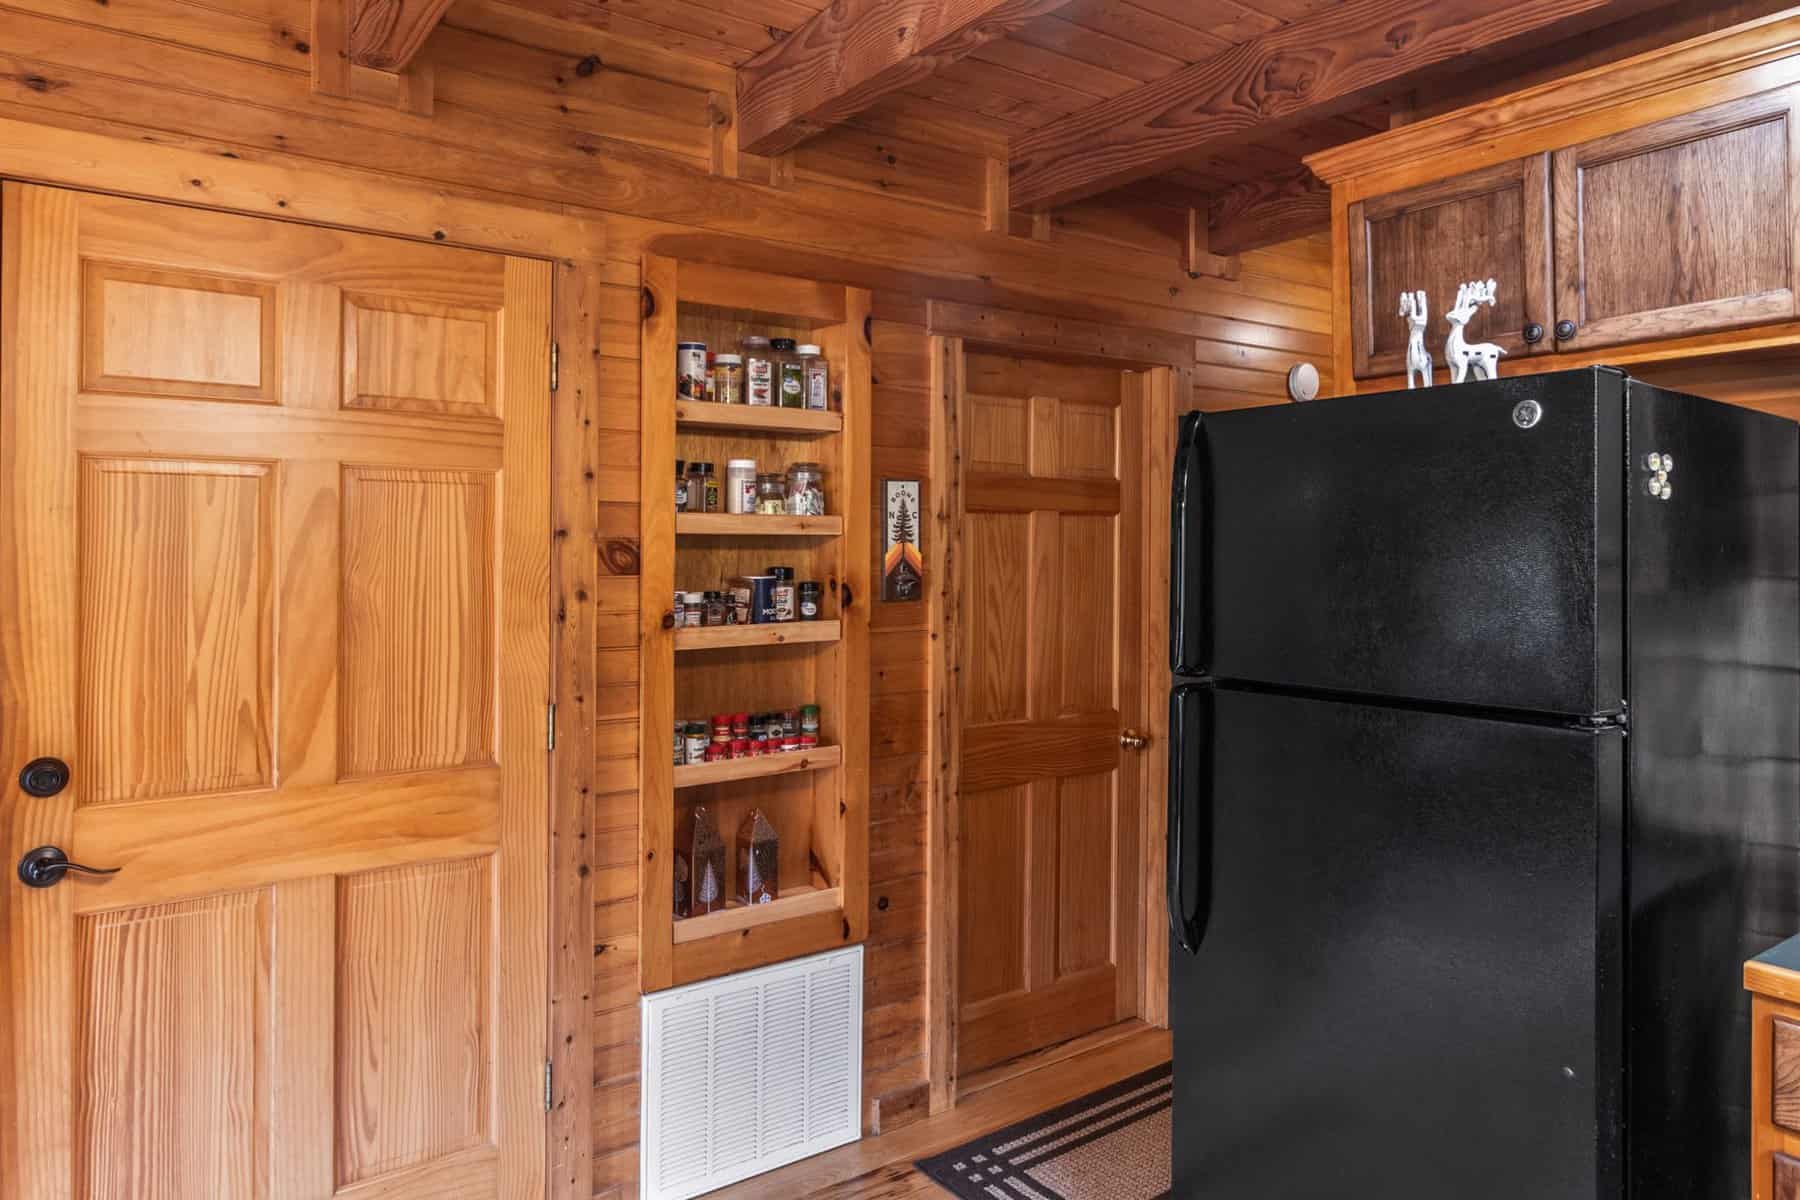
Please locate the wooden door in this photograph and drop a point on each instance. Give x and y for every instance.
(1679, 227)
(1049, 660)
(1488, 224)
(273, 555)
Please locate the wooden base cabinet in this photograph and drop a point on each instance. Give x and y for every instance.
(1641, 211)
(816, 801)
(1773, 979)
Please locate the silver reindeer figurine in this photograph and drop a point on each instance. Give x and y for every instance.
(1418, 359)
(1459, 355)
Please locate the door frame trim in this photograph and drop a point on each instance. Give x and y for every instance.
(953, 330)
(373, 203)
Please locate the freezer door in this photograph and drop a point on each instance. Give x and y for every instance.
(1457, 545)
(1406, 983)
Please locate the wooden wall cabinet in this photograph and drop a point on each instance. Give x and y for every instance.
(1489, 223)
(818, 801)
(1642, 211)
(1679, 227)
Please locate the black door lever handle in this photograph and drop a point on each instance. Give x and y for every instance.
(45, 867)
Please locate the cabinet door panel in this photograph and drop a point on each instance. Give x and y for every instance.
(1679, 227)
(1492, 223)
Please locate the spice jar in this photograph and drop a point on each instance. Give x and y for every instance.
(771, 495)
(811, 598)
(710, 484)
(783, 592)
(715, 608)
(805, 490)
(809, 719)
(759, 372)
(728, 378)
(680, 486)
(815, 378)
(690, 371)
(740, 485)
(697, 741)
(693, 609)
(791, 390)
(696, 487)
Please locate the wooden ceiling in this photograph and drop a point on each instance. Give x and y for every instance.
(1069, 90)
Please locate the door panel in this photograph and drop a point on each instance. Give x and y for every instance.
(274, 498)
(1488, 224)
(1390, 545)
(1681, 226)
(1048, 840)
(1412, 950)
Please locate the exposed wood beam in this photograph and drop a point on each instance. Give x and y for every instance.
(1346, 56)
(856, 51)
(1266, 211)
(385, 34)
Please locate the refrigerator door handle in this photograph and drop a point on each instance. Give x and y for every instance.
(1190, 814)
(1188, 551)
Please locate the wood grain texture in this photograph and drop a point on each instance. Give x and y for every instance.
(1493, 223)
(1715, 188)
(386, 34)
(133, 319)
(1338, 57)
(945, 565)
(173, 1000)
(1785, 1082)
(1262, 212)
(415, 1026)
(850, 55)
(419, 610)
(574, 586)
(205, 660)
(1047, 672)
(177, 573)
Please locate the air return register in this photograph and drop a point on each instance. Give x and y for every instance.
(750, 1072)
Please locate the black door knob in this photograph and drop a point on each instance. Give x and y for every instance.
(45, 867)
(44, 777)
(1565, 329)
(1533, 334)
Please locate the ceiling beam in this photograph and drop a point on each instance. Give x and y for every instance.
(856, 51)
(385, 34)
(1262, 212)
(1345, 56)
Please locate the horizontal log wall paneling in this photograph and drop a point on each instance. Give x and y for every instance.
(592, 147)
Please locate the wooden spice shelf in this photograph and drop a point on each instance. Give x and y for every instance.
(793, 902)
(761, 767)
(774, 633)
(750, 525)
(793, 422)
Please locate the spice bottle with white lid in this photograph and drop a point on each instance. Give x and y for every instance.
(816, 377)
(740, 485)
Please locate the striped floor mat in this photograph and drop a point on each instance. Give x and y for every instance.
(1112, 1145)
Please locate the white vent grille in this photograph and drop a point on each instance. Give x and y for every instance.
(750, 1072)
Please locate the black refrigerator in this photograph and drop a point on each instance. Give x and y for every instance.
(1483, 784)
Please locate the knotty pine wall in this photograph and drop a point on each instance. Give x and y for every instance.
(618, 126)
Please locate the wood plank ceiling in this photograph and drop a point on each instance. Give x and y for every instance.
(989, 74)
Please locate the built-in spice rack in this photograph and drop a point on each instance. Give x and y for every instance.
(814, 799)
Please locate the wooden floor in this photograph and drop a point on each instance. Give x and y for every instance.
(881, 1168)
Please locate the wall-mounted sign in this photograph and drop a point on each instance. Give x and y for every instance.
(902, 566)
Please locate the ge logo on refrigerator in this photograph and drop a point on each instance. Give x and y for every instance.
(1527, 413)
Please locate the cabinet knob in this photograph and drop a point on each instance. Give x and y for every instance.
(1565, 329)
(668, 621)
(1533, 334)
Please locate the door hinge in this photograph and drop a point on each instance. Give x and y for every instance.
(555, 365)
(550, 726)
(549, 1076)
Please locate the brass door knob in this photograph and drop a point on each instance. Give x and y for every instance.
(1131, 739)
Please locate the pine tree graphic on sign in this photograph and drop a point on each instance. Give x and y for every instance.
(902, 566)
